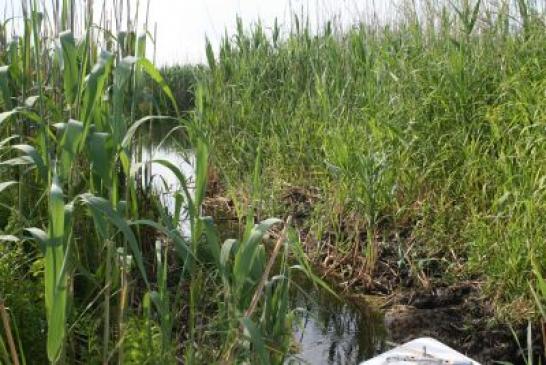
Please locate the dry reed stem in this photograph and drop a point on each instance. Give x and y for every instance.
(7, 330)
(270, 263)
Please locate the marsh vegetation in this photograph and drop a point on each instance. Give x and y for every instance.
(135, 202)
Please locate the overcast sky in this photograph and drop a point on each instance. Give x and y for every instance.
(183, 24)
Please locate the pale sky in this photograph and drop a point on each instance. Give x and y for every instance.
(183, 24)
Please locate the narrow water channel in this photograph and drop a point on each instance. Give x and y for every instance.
(329, 330)
(334, 331)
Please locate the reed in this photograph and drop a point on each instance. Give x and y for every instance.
(428, 128)
(78, 100)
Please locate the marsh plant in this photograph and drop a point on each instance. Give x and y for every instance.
(121, 282)
(429, 128)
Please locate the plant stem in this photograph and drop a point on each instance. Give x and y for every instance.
(7, 330)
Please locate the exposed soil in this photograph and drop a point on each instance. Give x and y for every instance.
(417, 299)
(456, 315)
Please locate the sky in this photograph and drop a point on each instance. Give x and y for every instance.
(182, 25)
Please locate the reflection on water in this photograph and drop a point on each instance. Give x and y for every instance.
(333, 331)
(330, 331)
(160, 178)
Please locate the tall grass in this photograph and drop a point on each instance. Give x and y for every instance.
(77, 101)
(432, 125)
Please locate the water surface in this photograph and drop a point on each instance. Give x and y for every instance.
(334, 331)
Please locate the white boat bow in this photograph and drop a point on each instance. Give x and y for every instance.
(421, 351)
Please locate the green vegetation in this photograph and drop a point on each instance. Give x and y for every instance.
(431, 130)
(92, 268)
(181, 80)
(427, 135)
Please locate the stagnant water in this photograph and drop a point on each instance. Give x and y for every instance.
(330, 330)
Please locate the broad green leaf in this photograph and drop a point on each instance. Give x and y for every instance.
(6, 141)
(246, 284)
(5, 87)
(248, 251)
(122, 76)
(9, 238)
(7, 184)
(225, 253)
(18, 161)
(39, 235)
(69, 145)
(255, 336)
(179, 200)
(181, 245)
(150, 69)
(94, 86)
(31, 100)
(213, 238)
(134, 127)
(104, 207)
(8, 114)
(182, 181)
(33, 154)
(70, 66)
(100, 154)
(141, 46)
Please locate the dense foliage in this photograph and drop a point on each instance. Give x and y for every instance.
(429, 133)
(432, 128)
(93, 268)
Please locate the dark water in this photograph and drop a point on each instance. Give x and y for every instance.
(329, 330)
(334, 331)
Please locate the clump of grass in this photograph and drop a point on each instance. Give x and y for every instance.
(433, 124)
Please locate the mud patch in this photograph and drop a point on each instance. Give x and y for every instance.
(455, 315)
(419, 304)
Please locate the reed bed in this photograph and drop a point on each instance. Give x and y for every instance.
(426, 133)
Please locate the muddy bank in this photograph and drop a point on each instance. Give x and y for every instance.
(416, 305)
(457, 315)
(416, 297)
(413, 289)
